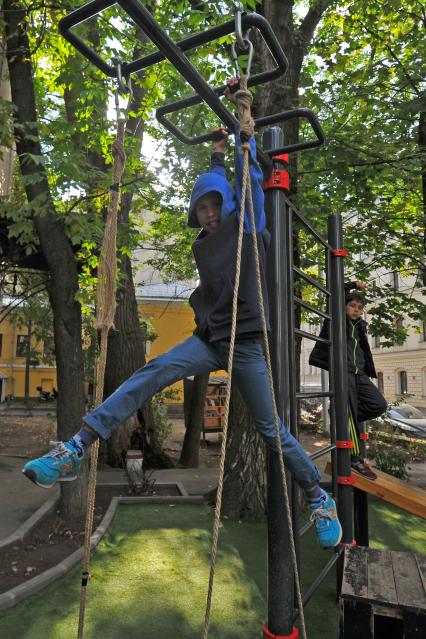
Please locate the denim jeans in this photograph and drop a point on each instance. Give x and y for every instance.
(195, 356)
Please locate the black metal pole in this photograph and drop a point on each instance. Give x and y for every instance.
(361, 517)
(280, 570)
(340, 376)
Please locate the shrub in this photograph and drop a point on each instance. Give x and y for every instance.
(389, 457)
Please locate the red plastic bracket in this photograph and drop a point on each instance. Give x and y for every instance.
(281, 158)
(363, 436)
(339, 252)
(347, 480)
(344, 444)
(267, 634)
(279, 179)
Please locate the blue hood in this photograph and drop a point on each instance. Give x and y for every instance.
(206, 183)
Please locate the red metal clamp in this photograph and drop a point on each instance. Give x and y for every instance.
(347, 480)
(339, 252)
(279, 179)
(281, 158)
(344, 444)
(267, 634)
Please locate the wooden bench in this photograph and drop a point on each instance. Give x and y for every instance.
(383, 594)
(214, 407)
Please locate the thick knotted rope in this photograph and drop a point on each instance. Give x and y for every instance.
(105, 312)
(244, 100)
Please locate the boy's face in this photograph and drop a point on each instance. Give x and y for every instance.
(208, 209)
(354, 309)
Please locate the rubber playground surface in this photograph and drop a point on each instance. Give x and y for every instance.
(150, 576)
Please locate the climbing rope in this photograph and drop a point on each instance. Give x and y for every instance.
(244, 100)
(105, 312)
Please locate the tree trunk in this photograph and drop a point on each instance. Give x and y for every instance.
(125, 343)
(193, 421)
(244, 489)
(57, 250)
(27, 362)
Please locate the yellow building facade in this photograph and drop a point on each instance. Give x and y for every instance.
(13, 342)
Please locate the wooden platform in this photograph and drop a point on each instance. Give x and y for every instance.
(383, 594)
(392, 490)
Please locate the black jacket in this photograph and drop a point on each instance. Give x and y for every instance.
(320, 353)
(212, 300)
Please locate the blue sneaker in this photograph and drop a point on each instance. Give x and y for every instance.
(327, 525)
(60, 464)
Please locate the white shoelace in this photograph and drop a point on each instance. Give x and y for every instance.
(58, 450)
(319, 513)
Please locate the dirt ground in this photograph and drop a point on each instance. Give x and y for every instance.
(52, 540)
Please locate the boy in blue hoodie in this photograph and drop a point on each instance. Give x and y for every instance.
(214, 207)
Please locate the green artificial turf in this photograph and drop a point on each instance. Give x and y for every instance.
(150, 575)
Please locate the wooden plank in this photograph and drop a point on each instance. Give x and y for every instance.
(392, 490)
(421, 565)
(212, 422)
(381, 582)
(408, 583)
(355, 575)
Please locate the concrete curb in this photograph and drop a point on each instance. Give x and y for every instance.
(15, 595)
(24, 529)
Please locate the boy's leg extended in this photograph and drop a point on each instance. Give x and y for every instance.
(251, 377)
(191, 357)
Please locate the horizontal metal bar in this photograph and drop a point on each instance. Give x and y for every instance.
(281, 64)
(315, 338)
(322, 451)
(306, 114)
(91, 9)
(312, 308)
(310, 228)
(311, 280)
(77, 17)
(314, 394)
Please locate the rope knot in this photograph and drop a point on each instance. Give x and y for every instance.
(244, 101)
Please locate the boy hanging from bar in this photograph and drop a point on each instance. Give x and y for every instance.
(214, 207)
(365, 399)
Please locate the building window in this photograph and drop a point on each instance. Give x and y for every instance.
(423, 333)
(402, 383)
(395, 280)
(21, 345)
(424, 382)
(380, 383)
(1, 343)
(376, 341)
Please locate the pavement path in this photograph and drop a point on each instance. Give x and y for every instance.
(20, 498)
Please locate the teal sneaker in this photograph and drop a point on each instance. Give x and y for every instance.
(324, 517)
(60, 464)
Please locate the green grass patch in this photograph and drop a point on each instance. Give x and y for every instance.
(150, 576)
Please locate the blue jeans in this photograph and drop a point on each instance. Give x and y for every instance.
(195, 356)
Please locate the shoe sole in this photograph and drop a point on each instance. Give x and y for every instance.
(33, 477)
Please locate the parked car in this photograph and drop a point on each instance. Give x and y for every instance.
(403, 419)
